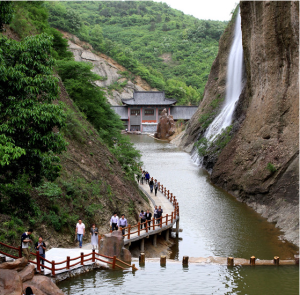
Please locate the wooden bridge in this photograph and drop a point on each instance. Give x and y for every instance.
(164, 224)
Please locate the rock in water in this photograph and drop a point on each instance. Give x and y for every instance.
(165, 127)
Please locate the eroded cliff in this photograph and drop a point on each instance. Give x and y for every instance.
(260, 164)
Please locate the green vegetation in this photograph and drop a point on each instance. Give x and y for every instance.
(34, 128)
(271, 168)
(6, 13)
(171, 51)
(214, 148)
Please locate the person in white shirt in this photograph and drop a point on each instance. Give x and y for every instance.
(114, 222)
(80, 231)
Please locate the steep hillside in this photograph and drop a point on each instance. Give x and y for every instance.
(92, 186)
(117, 82)
(171, 51)
(260, 164)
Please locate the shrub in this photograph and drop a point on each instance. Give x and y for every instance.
(271, 168)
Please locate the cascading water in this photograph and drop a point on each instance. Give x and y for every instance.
(233, 85)
(233, 89)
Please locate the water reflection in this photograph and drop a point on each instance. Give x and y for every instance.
(195, 279)
(213, 222)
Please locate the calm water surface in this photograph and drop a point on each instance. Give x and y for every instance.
(214, 224)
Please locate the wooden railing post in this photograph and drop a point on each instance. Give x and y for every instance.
(93, 256)
(139, 229)
(114, 262)
(81, 258)
(20, 252)
(171, 198)
(168, 194)
(128, 231)
(153, 222)
(68, 262)
(162, 188)
(53, 268)
(166, 219)
(146, 226)
(161, 221)
(172, 217)
(38, 262)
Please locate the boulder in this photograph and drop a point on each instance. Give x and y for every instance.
(18, 263)
(10, 283)
(27, 273)
(44, 285)
(165, 127)
(113, 244)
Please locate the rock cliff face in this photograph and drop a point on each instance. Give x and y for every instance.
(109, 70)
(260, 165)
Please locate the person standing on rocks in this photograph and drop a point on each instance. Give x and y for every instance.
(143, 219)
(25, 240)
(122, 224)
(41, 247)
(94, 236)
(80, 231)
(148, 217)
(114, 222)
(155, 186)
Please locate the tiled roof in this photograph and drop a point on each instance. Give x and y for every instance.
(183, 112)
(149, 98)
(122, 111)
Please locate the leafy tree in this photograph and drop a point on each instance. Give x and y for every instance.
(6, 13)
(28, 144)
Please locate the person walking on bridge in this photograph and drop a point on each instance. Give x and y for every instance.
(122, 224)
(80, 231)
(148, 217)
(155, 214)
(159, 214)
(143, 177)
(143, 219)
(114, 222)
(151, 184)
(155, 186)
(147, 176)
(94, 236)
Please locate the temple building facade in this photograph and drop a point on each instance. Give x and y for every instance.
(142, 112)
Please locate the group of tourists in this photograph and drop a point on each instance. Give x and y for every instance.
(118, 223)
(145, 177)
(80, 232)
(147, 216)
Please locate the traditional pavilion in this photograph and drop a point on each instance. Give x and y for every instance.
(142, 112)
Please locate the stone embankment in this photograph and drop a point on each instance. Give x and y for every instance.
(260, 164)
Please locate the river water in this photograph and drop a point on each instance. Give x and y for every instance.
(214, 224)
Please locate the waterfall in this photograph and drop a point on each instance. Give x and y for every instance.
(233, 84)
(233, 90)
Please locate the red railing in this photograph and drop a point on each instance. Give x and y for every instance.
(155, 222)
(94, 256)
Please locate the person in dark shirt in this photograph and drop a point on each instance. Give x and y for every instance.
(41, 247)
(159, 213)
(151, 183)
(148, 217)
(25, 240)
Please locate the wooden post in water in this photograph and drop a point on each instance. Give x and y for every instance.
(276, 260)
(142, 258)
(230, 261)
(163, 260)
(133, 267)
(252, 260)
(185, 260)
